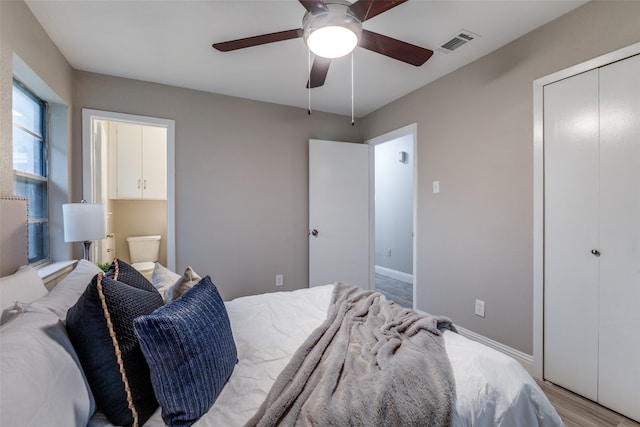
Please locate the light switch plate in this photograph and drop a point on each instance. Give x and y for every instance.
(479, 308)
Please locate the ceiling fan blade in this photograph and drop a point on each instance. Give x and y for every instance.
(393, 48)
(258, 40)
(319, 72)
(313, 5)
(367, 9)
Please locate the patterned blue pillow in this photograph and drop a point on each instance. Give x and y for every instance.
(103, 337)
(190, 350)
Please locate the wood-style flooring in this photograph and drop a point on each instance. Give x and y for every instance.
(577, 411)
(397, 291)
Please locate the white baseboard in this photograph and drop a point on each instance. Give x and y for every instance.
(394, 274)
(526, 360)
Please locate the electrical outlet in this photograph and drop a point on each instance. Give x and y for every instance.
(479, 308)
(279, 279)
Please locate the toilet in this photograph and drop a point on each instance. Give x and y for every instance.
(144, 252)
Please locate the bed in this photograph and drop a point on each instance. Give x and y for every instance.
(45, 380)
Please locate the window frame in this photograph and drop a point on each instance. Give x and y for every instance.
(45, 256)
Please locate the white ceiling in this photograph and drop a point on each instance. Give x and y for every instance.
(169, 42)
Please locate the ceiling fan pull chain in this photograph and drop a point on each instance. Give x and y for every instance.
(353, 122)
(309, 78)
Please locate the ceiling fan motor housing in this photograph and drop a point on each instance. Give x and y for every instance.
(335, 14)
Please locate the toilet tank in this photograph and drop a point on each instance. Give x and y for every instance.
(144, 248)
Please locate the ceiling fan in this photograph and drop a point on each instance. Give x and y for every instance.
(328, 16)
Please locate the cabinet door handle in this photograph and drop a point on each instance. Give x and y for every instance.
(138, 184)
(595, 252)
(145, 184)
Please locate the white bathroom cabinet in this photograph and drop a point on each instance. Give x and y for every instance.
(138, 162)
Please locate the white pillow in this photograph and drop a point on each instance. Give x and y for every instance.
(24, 285)
(42, 382)
(162, 279)
(67, 292)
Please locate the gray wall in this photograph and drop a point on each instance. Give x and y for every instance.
(475, 133)
(241, 177)
(394, 205)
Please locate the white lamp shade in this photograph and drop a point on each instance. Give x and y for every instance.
(84, 222)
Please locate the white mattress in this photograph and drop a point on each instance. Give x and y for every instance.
(492, 389)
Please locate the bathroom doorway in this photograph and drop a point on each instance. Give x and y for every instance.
(129, 215)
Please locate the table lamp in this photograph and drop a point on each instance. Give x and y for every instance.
(84, 222)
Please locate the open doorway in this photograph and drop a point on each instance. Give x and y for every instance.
(394, 178)
(143, 211)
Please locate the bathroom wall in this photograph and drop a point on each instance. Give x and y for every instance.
(139, 218)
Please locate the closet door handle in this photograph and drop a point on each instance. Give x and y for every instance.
(138, 184)
(145, 184)
(595, 252)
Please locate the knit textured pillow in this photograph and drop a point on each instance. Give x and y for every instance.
(190, 350)
(100, 326)
(125, 273)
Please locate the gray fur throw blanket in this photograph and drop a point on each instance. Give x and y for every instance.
(371, 363)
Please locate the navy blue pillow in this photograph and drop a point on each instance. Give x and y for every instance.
(190, 350)
(124, 395)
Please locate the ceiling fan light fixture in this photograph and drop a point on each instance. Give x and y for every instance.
(332, 32)
(332, 41)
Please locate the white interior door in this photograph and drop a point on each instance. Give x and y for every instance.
(339, 213)
(571, 272)
(619, 363)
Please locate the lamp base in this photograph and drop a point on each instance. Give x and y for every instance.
(86, 246)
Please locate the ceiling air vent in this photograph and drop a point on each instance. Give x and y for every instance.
(463, 37)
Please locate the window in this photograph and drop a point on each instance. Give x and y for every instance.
(30, 166)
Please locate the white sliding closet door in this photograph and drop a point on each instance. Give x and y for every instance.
(592, 235)
(619, 333)
(571, 150)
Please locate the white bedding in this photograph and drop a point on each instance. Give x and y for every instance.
(492, 389)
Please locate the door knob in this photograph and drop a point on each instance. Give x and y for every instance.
(595, 252)
(314, 232)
